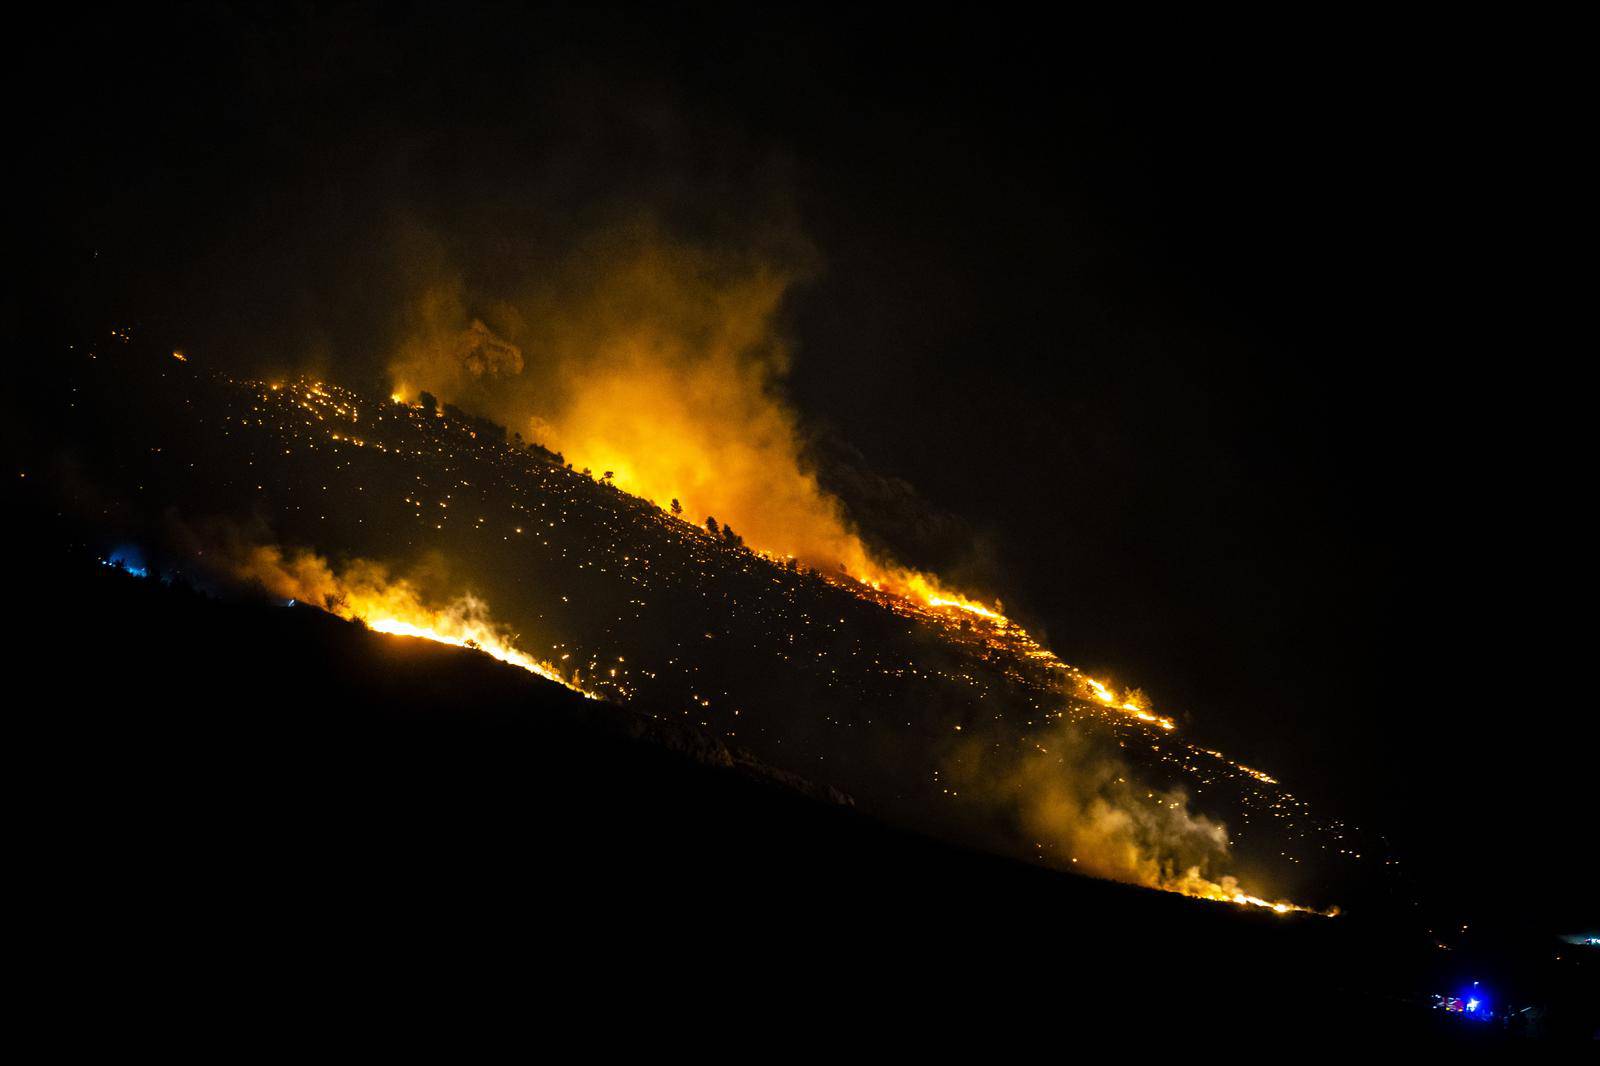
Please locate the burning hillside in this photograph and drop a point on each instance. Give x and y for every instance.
(932, 710)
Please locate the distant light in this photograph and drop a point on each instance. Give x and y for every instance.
(129, 560)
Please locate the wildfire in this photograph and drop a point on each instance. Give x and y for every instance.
(482, 639)
(922, 589)
(365, 592)
(1195, 886)
(1244, 899)
(1132, 702)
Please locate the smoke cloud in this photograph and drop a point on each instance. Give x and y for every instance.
(1074, 804)
(658, 361)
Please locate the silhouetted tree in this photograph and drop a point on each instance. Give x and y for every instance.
(711, 524)
(429, 402)
(731, 538)
(677, 508)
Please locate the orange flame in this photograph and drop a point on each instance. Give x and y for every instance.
(365, 592)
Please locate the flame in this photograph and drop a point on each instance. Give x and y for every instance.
(1133, 702)
(477, 636)
(365, 592)
(1194, 886)
(1276, 906)
(965, 605)
(1228, 891)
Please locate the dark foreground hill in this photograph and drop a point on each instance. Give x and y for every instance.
(236, 810)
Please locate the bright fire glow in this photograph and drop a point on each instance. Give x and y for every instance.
(482, 639)
(1276, 906)
(365, 592)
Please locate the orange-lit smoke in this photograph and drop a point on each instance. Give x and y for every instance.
(662, 364)
(1080, 808)
(366, 592)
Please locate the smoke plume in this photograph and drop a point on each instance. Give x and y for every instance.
(660, 362)
(1072, 803)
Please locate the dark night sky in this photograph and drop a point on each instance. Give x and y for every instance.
(1255, 339)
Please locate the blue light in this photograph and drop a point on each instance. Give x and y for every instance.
(1474, 1003)
(129, 560)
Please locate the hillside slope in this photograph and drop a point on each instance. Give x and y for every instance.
(932, 717)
